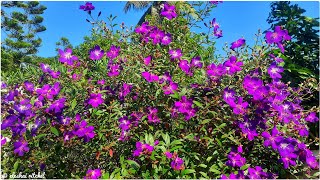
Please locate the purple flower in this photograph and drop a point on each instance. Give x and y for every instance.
(81, 130)
(214, 24)
(45, 68)
(96, 53)
(217, 33)
(229, 96)
(28, 86)
(277, 59)
(113, 52)
(170, 88)
(169, 11)
(95, 100)
(312, 162)
(54, 74)
(150, 77)
(214, 71)
(57, 106)
(232, 66)
(216, 3)
(238, 43)
(185, 67)
(312, 117)
(175, 53)
(124, 123)
(272, 140)
(166, 39)
(236, 161)
(275, 71)
(195, 62)
(177, 164)
(101, 82)
(156, 35)
(21, 147)
(142, 149)
(3, 85)
(67, 57)
(256, 173)
(168, 154)
(277, 36)
(4, 140)
(87, 7)
(147, 60)
(143, 29)
(231, 176)
(288, 159)
(93, 174)
(24, 108)
(114, 70)
(251, 84)
(184, 105)
(239, 107)
(152, 116)
(125, 90)
(165, 78)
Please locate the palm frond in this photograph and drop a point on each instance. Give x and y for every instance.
(136, 5)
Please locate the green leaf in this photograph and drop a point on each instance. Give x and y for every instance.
(214, 169)
(133, 164)
(209, 158)
(73, 103)
(204, 175)
(175, 95)
(203, 165)
(54, 131)
(317, 174)
(15, 166)
(187, 171)
(106, 175)
(198, 103)
(205, 121)
(40, 136)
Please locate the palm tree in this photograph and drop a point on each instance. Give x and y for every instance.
(154, 8)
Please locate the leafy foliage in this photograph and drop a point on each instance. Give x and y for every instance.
(105, 109)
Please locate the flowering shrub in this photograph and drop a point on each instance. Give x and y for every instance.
(159, 106)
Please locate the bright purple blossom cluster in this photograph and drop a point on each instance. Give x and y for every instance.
(235, 158)
(46, 69)
(150, 77)
(177, 163)
(93, 174)
(96, 53)
(141, 149)
(169, 11)
(187, 67)
(66, 57)
(84, 131)
(125, 124)
(238, 43)
(289, 149)
(170, 86)
(87, 7)
(184, 106)
(153, 115)
(95, 100)
(216, 26)
(278, 37)
(154, 34)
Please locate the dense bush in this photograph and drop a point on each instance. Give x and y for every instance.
(157, 103)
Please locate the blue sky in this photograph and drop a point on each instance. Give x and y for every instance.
(236, 19)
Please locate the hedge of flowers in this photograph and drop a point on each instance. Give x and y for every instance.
(158, 103)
